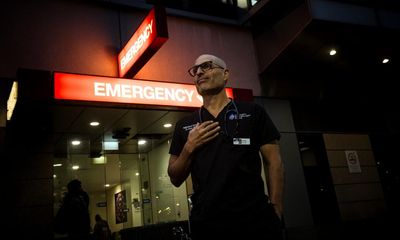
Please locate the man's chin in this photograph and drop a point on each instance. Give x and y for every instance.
(210, 92)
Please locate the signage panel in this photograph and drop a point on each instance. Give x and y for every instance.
(118, 90)
(148, 38)
(12, 100)
(353, 161)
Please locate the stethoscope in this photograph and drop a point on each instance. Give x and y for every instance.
(230, 115)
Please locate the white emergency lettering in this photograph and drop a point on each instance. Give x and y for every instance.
(134, 49)
(117, 90)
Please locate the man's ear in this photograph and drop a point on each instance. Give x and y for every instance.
(226, 75)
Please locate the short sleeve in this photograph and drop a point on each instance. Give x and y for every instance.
(177, 141)
(267, 130)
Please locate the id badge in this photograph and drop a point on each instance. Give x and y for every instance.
(241, 141)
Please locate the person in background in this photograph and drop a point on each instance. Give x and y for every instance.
(76, 211)
(219, 146)
(101, 229)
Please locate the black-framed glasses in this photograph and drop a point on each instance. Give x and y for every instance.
(204, 67)
(231, 120)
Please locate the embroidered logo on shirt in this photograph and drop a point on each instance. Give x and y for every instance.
(232, 116)
(244, 115)
(189, 127)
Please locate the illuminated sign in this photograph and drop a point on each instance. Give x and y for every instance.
(119, 90)
(12, 100)
(148, 38)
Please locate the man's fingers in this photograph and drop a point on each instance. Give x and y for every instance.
(212, 133)
(204, 132)
(213, 130)
(209, 138)
(208, 126)
(209, 131)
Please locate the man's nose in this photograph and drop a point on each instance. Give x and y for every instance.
(199, 71)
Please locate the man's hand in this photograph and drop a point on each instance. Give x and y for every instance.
(201, 134)
(178, 168)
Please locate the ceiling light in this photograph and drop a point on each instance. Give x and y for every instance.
(142, 142)
(106, 185)
(94, 124)
(332, 52)
(75, 167)
(385, 60)
(76, 142)
(167, 125)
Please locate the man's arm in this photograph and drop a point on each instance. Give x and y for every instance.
(274, 170)
(179, 166)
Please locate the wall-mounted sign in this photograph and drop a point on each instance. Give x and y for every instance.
(118, 90)
(352, 161)
(148, 38)
(12, 100)
(101, 204)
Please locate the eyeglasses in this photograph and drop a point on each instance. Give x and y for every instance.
(204, 67)
(231, 120)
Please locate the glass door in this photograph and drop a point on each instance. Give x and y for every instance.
(83, 159)
(122, 165)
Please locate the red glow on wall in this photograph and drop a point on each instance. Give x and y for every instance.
(118, 90)
(147, 39)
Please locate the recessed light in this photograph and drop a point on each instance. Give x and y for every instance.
(385, 60)
(142, 142)
(75, 167)
(76, 142)
(167, 125)
(332, 52)
(94, 123)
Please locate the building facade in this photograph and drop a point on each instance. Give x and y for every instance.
(261, 41)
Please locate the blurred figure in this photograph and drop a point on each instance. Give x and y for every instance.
(101, 229)
(75, 208)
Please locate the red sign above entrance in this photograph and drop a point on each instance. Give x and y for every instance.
(148, 38)
(118, 90)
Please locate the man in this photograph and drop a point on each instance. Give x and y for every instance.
(219, 146)
(76, 207)
(101, 230)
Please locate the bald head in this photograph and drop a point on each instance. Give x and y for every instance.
(208, 57)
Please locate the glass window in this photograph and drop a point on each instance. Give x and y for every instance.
(127, 182)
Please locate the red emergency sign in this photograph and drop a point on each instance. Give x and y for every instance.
(118, 90)
(148, 38)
